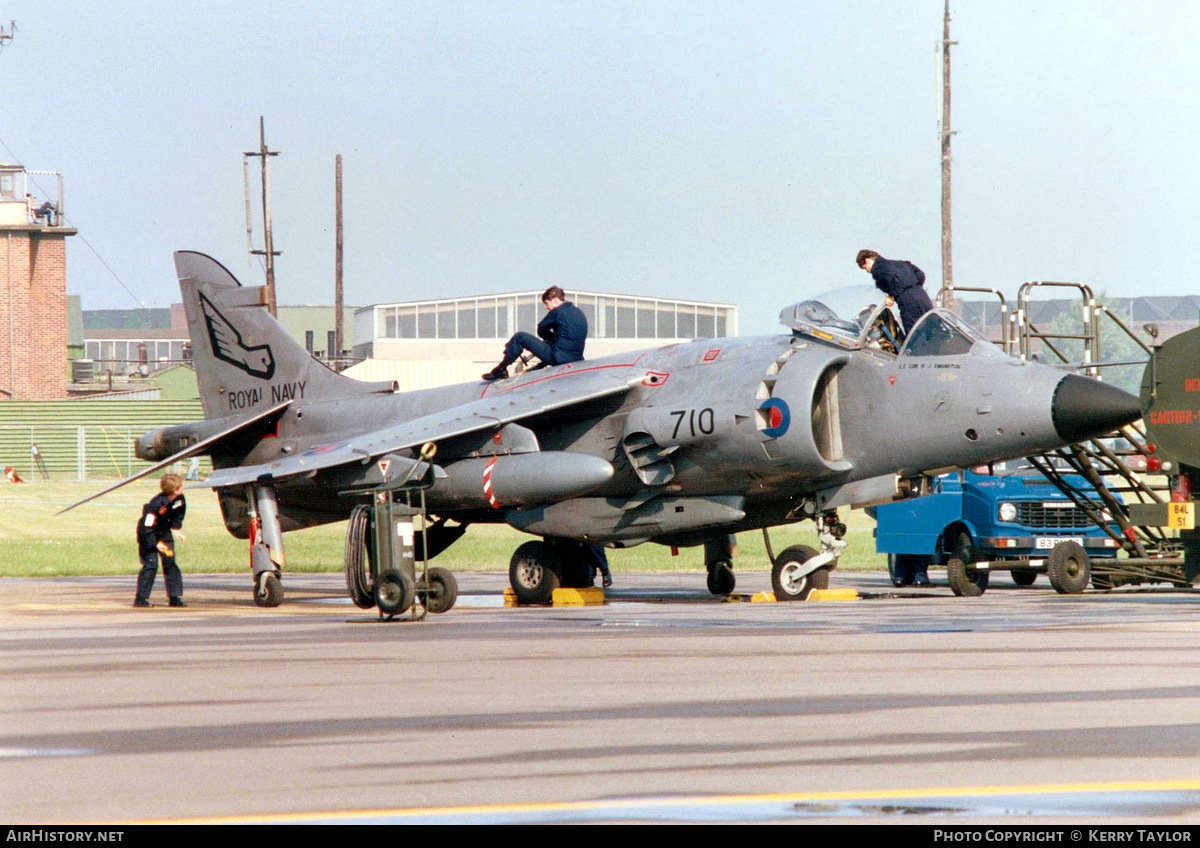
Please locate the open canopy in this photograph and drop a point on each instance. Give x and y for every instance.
(855, 317)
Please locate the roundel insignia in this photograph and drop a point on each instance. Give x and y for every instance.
(776, 416)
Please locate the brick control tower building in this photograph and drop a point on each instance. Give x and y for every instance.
(33, 288)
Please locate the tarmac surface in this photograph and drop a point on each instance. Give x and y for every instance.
(665, 704)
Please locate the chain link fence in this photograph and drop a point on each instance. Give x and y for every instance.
(77, 452)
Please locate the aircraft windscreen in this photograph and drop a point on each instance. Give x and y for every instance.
(939, 333)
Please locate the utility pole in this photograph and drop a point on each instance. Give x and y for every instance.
(945, 132)
(268, 241)
(337, 273)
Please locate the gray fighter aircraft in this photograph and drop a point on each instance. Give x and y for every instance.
(682, 445)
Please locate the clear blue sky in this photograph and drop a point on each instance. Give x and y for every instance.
(738, 152)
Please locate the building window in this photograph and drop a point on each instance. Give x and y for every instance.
(666, 320)
(486, 328)
(587, 305)
(504, 315)
(626, 318)
(446, 323)
(686, 321)
(606, 307)
(466, 319)
(527, 314)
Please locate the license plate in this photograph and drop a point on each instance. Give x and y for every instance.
(1045, 544)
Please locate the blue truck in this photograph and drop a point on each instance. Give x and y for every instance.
(1007, 516)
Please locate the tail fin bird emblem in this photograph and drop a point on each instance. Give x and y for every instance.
(227, 344)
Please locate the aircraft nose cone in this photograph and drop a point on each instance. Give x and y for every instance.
(1084, 408)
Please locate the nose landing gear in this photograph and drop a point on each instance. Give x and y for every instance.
(799, 569)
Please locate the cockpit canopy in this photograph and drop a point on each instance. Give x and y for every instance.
(855, 317)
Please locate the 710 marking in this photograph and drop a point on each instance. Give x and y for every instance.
(704, 421)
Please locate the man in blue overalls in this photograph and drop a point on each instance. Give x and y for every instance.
(162, 515)
(562, 334)
(901, 281)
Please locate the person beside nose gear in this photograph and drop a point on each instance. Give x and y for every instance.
(560, 336)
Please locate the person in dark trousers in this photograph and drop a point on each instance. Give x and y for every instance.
(161, 521)
(599, 562)
(901, 281)
(560, 336)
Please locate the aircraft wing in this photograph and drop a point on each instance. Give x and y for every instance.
(191, 450)
(490, 412)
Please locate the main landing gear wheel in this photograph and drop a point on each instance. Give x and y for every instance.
(394, 592)
(720, 578)
(966, 580)
(784, 580)
(269, 590)
(1069, 568)
(441, 590)
(533, 573)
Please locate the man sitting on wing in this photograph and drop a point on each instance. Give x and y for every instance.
(560, 336)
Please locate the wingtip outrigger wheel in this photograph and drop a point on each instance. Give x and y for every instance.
(268, 590)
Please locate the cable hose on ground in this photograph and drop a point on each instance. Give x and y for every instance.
(358, 576)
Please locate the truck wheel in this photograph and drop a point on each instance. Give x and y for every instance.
(1069, 568)
(966, 580)
(1023, 576)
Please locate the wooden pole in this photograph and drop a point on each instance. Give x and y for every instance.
(268, 238)
(947, 257)
(337, 284)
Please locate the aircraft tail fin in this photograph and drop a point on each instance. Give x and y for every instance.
(245, 360)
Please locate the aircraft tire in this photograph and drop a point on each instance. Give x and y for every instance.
(788, 588)
(721, 580)
(394, 592)
(441, 590)
(1069, 568)
(1023, 576)
(269, 591)
(533, 573)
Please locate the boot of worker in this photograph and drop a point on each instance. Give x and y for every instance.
(497, 373)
